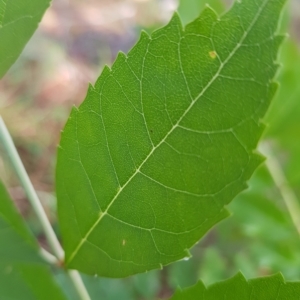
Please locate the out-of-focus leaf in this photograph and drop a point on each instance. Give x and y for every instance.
(184, 273)
(284, 116)
(261, 232)
(285, 109)
(212, 266)
(18, 21)
(23, 273)
(142, 286)
(147, 285)
(8, 212)
(259, 238)
(238, 288)
(109, 289)
(165, 140)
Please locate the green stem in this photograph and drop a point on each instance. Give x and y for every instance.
(282, 184)
(30, 191)
(79, 285)
(19, 168)
(48, 257)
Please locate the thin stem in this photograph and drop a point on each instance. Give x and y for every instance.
(30, 191)
(48, 257)
(17, 164)
(282, 184)
(79, 285)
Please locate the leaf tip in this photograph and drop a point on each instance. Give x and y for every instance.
(122, 54)
(144, 35)
(120, 59)
(106, 69)
(240, 276)
(101, 79)
(175, 20)
(187, 254)
(209, 11)
(280, 276)
(227, 213)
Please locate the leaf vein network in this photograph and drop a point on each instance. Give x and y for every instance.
(177, 124)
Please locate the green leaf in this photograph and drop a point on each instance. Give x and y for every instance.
(283, 118)
(142, 286)
(165, 140)
(266, 288)
(98, 287)
(10, 214)
(23, 273)
(189, 9)
(18, 21)
(260, 237)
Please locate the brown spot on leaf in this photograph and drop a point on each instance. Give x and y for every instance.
(213, 54)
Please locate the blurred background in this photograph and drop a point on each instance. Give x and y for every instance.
(72, 44)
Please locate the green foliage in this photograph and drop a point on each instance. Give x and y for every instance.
(23, 273)
(265, 288)
(283, 118)
(144, 286)
(18, 21)
(162, 143)
(189, 9)
(260, 237)
(9, 214)
(165, 140)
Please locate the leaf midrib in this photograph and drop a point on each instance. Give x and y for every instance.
(239, 44)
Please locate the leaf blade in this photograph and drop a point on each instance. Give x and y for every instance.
(18, 19)
(237, 287)
(143, 117)
(20, 262)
